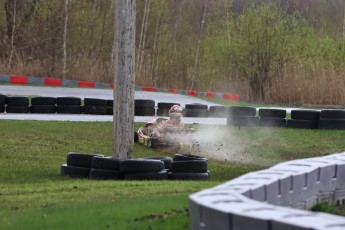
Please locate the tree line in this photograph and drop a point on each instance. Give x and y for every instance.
(286, 51)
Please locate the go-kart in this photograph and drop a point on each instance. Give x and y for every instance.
(171, 138)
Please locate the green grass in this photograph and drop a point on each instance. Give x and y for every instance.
(33, 194)
(323, 207)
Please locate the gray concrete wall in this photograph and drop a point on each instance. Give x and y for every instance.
(275, 198)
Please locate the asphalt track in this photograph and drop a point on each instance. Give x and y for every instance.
(101, 94)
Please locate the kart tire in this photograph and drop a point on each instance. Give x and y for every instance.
(144, 111)
(68, 101)
(195, 166)
(219, 111)
(162, 112)
(3, 100)
(110, 103)
(17, 101)
(162, 175)
(106, 163)
(166, 160)
(272, 122)
(151, 143)
(95, 101)
(110, 111)
(69, 109)
(43, 101)
(43, 109)
(81, 159)
(103, 174)
(195, 113)
(308, 115)
(74, 172)
(95, 110)
(17, 109)
(273, 113)
(141, 165)
(188, 176)
(136, 137)
(144, 103)
(242, 111)
(332, 124)
(243, 121)
(302, 124)
(166, 105)
(2, 108)
(332, 114)
(187, 157)
(196, 106)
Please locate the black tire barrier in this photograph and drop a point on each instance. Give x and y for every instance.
(166, 160)
(272, 122)
(110, 103)
(102, 174)
(95, 110)
(242, 111)
(43, 109)
(2, 108)
(43, 101)
(68, 101)
(187, 157)
(302, 124)
(144, 103)
(17, 101)
(309, 115)
(332, 124)
(141, 165)
(144, 111)
(162, 175)
(69, 109)
(95, 101)
(162, 112)
(136, 137)
(17, 109)
(243, 121)
(74, 172)
(188, 176)
(106, 163)
(110, 111)
(83, 160)
(195, 166)
(166, 105)
(195, 113)
(274, 113)
(332, 114)
(196, 106)
(3, 99)
(219, 111)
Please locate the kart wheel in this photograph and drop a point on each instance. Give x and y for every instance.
(151, 143)
(136, 137)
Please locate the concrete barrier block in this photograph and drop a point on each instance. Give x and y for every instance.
(339, 196)
(310, 202)
(299, 205)
(194, 215)
(325, 197)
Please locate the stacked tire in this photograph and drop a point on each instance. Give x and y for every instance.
(332, 119)
(163, 108)
(110, 107)
(195, 110)
(69, 105)
(143, 169)
(43, 105)
(95, 106)
(272, 117)
(144, 108)
(304, 119)
(219, 111)
(189, 167)
(242, 116)
(17, 105)
(78, 165)
(105, 168)
(2, 103)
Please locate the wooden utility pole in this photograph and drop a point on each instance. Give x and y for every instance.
(64, 70)
(123, 119)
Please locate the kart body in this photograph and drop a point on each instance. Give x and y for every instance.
(172, 138)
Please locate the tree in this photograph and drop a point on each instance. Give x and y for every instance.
(123, 120)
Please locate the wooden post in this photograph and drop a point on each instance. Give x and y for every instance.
(123, 119)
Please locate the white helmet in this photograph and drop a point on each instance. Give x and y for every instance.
(175, 111)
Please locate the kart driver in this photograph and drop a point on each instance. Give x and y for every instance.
(175, 114)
